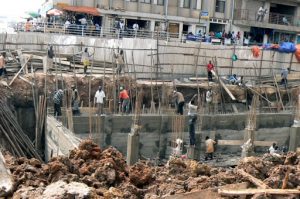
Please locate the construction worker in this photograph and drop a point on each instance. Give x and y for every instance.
(50, 55)
(75, 100)
(179, 101)
(99, 100)
(2, 64)
(120, 61)
(192, 120)
(210, 67)
(209, 143)
(85, 59)
(124, 100)
(57, 99)
(284, 74)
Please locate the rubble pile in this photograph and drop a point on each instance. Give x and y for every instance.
(273, 170)
(90, 172)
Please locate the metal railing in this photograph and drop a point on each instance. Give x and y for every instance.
(89, 30)
(272, 18)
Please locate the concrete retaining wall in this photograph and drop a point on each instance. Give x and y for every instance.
(157, 132)
(176, 59)
(58, 139)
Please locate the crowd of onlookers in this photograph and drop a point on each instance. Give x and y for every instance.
(223, 37)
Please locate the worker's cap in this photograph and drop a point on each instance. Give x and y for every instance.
(100, 87)
(174, 91)
(121, 88)
(73, 86)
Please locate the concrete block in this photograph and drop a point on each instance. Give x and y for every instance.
(132, 148)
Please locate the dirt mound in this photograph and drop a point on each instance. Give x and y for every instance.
(104, 173)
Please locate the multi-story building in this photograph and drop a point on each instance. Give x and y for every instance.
(175, 16)
(281, 20)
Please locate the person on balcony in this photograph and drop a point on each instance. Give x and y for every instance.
(135, 28)
(285, 21)
(261, 14)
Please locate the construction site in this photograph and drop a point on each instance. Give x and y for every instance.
(137, 154)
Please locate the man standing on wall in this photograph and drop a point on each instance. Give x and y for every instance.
(124, 100)
(50, 55)
(210, 67)
(192, 120)
(99, 99)
(179, 101)
(75, 100)
(57, 99)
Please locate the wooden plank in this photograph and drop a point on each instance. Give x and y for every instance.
(224, 86)
(234, 108)
(240, 142)
(25, 64)
(26, 80)
(231, 142)
(252, 179)
(264, 143)
(230, 192)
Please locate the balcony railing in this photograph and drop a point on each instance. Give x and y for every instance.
(88, 30)
(272, 18)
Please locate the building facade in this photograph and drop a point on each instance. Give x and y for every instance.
(280, 20)
(175, 16)
(268, 21)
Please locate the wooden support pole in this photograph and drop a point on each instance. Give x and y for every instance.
(230, 192)
(224, 86)
(252, 179)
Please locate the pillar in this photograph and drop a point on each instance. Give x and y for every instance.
(193, 152)
(133, 143)
(294, 138)
(265, 40)
(180, 30)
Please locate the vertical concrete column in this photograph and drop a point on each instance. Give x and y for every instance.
(249, 134)
(267, 6)
(133, 148)
(180, 30)
(193, 28)
(294, 138)
(152, 25)
(265, 40)
(193, 152)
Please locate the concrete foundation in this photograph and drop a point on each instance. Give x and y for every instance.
(156, 132)
(132, 148)
(294, 138)
(58, 139)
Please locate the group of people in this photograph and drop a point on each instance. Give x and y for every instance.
(192, 115)
(233, 37)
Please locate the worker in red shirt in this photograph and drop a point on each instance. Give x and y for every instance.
(124, 100)
(210, 67)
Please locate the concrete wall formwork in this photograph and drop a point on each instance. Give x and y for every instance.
(175, 59)
(157, 133)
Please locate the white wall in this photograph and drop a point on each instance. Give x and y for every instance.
(170, 62)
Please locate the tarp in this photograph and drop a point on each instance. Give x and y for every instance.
(54, 12)
(287, 47)
(82, 9)
(297, 53)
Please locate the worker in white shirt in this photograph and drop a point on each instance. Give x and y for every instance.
(99, 100)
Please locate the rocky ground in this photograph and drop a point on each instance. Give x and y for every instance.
(90, 172)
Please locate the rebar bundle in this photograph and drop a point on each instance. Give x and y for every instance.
(16, 141)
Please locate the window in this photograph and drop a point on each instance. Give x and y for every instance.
(220, 6)
(186, 3)
(160, 2)
(145, 1)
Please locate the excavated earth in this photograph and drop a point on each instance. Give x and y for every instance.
(21, 91)
(91, 172)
